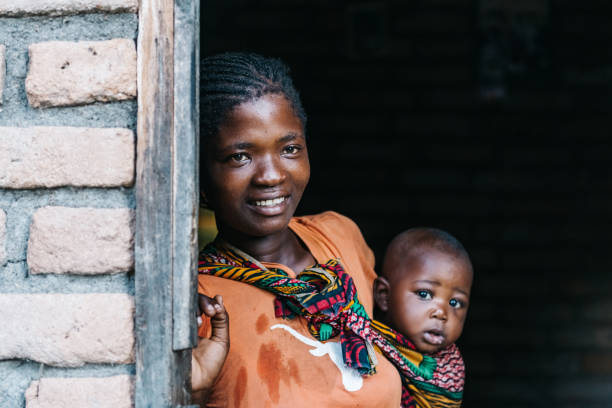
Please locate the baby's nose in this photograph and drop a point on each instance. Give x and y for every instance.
(439, 312)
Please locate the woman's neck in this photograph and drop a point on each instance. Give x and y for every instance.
(283, 247)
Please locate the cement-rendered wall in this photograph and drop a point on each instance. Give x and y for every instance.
(67, 157)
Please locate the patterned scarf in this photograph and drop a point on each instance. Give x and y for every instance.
(326, 297)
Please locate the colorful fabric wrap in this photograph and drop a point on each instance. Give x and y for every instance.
(326, 297)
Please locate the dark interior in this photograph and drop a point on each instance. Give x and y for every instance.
(488, 119)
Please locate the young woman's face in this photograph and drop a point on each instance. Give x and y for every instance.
(257, 167)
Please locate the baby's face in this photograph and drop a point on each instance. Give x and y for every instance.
(428, 299)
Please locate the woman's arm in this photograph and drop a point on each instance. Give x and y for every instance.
(208, 357)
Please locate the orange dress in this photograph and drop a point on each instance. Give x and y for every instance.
(275, 362)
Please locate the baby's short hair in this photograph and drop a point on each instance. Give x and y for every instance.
(416, 239)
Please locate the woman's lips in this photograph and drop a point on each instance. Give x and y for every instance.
(433, 337)
(269, 206)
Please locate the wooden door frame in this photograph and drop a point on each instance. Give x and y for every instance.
(166, 201)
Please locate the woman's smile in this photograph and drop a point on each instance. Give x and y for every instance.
(269, 203)
(270, 206)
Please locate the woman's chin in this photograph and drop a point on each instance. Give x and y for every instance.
(271, 226)
(260, 227)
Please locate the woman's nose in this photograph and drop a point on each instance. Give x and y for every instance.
(269, 172)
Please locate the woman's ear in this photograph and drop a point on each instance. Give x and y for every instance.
(381, 293)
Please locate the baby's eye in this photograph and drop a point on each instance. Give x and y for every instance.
(455, 303)
(424, 294)
(291, 149)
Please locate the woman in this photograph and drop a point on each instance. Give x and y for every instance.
(298, 289)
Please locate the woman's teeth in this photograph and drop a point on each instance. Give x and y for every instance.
(270, 203)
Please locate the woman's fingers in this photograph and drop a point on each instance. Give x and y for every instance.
(219, 319)
(219, 322)
(209, 306)
(208, 357)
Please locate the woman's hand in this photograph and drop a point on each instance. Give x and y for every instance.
(208, 357)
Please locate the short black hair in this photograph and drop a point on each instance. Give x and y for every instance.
(421, 237)
(232, 78)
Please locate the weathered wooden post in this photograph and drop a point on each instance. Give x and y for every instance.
(166, 194)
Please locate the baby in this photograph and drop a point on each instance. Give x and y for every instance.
(424, 289)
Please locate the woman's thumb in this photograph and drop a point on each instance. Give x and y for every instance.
(219, 322)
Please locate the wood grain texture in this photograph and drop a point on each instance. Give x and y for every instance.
(162, 375)
(185, 172)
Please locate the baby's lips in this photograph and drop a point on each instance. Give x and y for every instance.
(433, 338)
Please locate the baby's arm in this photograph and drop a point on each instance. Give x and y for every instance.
(208, 357)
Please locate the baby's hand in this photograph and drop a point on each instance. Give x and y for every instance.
(208, 357)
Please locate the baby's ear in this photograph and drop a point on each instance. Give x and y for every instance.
(381, 293)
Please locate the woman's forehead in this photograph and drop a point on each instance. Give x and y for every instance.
(265, 107)
(270, 116)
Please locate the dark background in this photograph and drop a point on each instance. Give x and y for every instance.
(489, 119)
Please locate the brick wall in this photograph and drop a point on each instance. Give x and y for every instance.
(399, 137)
(67, 121)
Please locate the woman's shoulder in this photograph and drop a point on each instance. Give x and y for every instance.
(340, 232)
(329, 220)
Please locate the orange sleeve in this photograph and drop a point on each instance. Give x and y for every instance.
(349, 237)
(357, 237)
(205, 329)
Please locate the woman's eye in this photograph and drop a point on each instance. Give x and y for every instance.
(424, 294)
(239, 157)
(455, 303)
(293, 149)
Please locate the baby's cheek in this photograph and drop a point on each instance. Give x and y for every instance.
(456, 330)
(412, 323)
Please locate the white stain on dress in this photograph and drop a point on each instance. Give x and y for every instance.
(351, 379)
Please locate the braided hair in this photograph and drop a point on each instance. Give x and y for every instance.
(230, 79)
